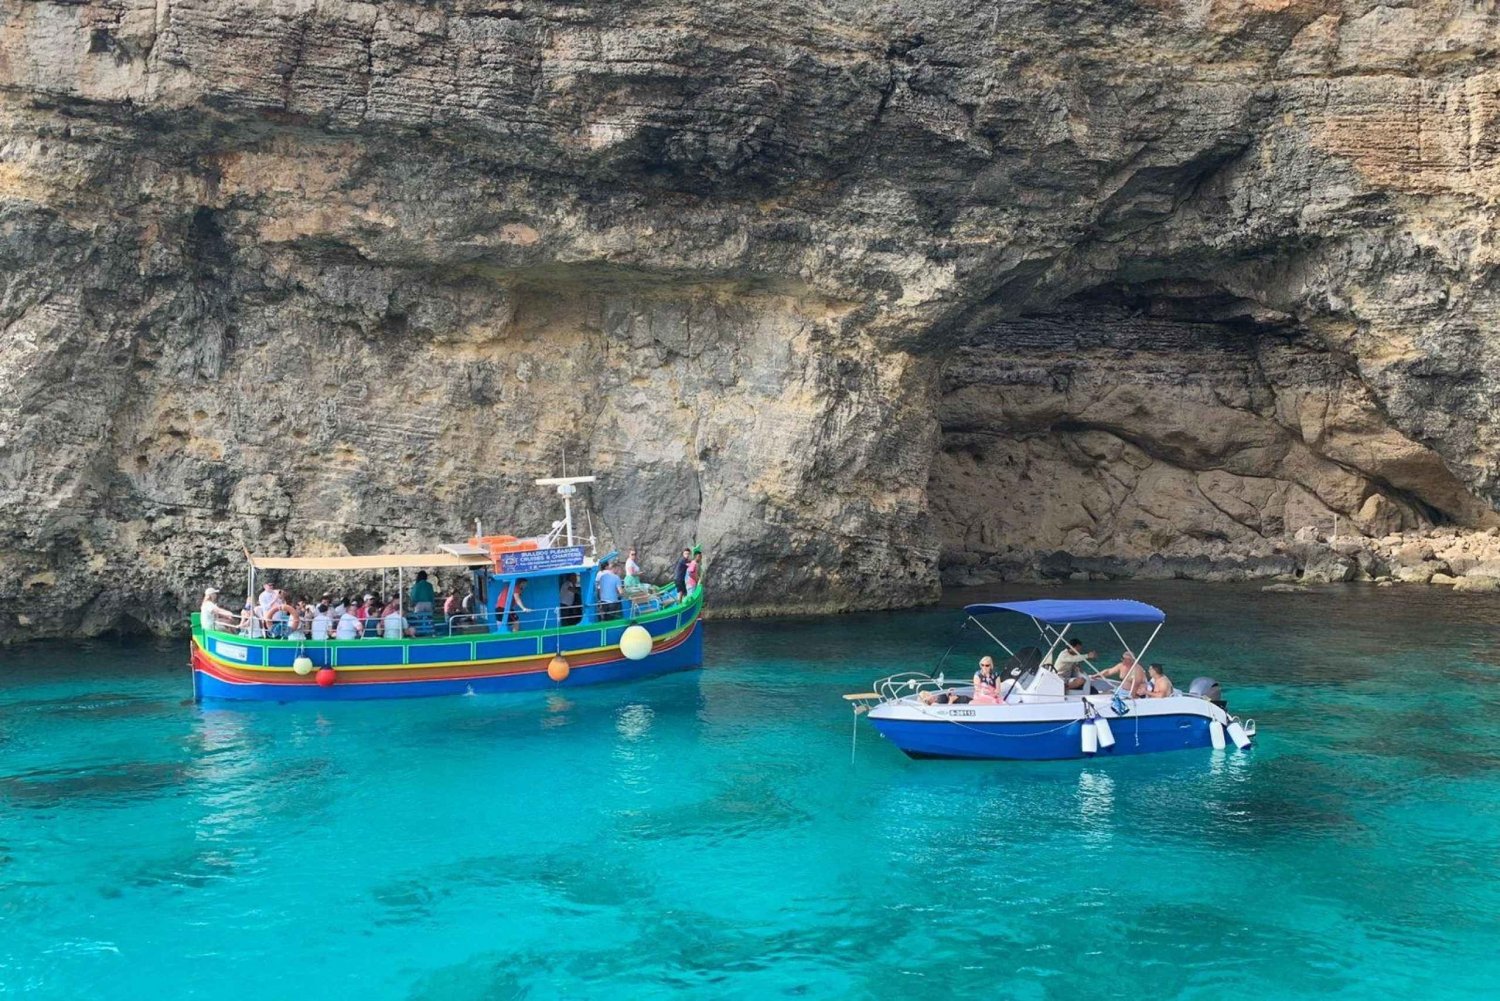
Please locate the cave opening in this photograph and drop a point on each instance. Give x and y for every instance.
(1164, 420)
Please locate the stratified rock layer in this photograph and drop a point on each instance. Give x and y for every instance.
(850, 293)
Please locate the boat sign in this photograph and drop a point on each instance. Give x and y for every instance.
(233, 651)
(537, 560)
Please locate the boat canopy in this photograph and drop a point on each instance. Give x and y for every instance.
(1054, 611)
(391, 561)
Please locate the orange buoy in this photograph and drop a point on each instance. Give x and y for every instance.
(325, 677)
(558, 668)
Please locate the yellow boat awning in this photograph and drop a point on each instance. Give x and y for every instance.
(385, 561)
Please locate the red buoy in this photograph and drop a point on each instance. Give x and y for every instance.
(325, 677)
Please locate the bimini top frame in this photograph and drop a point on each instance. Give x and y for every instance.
(1054, 617)
(1053, 611)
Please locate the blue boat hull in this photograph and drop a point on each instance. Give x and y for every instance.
(1042, 741)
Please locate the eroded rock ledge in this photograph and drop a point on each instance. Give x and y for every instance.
(852, 293)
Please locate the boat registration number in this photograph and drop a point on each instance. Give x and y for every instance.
(960, 712)
(233, 651)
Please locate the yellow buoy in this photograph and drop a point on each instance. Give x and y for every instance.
(635, 643)
(558, 668)
(303, 665)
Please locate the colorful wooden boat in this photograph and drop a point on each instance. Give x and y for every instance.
(549, 644)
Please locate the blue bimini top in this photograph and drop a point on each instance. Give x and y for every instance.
(1056, 612)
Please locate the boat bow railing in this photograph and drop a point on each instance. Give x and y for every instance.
(911, 683)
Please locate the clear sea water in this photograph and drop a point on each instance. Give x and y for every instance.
(707, 834)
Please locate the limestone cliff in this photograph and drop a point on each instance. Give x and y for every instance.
(852, 293)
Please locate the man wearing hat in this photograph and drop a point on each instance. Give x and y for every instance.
(210, 615)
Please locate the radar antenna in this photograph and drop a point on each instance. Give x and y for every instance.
(566, 486)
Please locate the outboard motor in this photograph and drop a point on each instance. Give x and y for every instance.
(1207, 688)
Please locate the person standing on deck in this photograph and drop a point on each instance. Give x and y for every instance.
(682, 566)
(267, 601)
(632, 571)
(422, 595)
(693, 568)
(211, 615)
(567, 600)
(609, 592)
(516, 605)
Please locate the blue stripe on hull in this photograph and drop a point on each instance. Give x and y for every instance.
(683, 657)
(1044, 741)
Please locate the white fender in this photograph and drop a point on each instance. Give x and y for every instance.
(1090, 738)
(1238, 735)
(1106, 735)
(1216, 734)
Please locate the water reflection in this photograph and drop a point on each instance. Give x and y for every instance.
(1096, 807)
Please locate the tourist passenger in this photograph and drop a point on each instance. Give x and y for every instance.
(1132, 678)
(609, 592)
(322, 623)
(394, 622)
(570, 608)
(350, 627)
(516, 604)
(279, 616)
(422, 596)
(210, 614)
(251, 625)
(692, 576)
(369, 615)
(632, 571)
(267, 600)
(1069, 663)
(295, 613)
(450, 605)
(986, 684)
(1159, 685)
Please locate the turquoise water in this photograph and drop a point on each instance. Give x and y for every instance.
(707, 835)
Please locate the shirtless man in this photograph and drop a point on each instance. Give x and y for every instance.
(1159, 684)
(1132, 678)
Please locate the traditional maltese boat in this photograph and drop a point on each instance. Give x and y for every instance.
(563, 634)
(1033, 713)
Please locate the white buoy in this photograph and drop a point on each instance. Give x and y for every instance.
(1090, 738)
(635, 643)
(1216, 734)
(1106, 735)
(303, 665)
(1238, 735)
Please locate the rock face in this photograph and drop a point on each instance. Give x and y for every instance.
(851, 293)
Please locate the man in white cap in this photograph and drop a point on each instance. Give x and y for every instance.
(210, 614)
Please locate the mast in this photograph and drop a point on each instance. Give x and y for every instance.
(567, 486)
